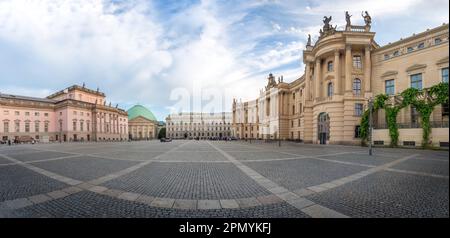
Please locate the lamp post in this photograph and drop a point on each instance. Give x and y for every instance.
(370, 125)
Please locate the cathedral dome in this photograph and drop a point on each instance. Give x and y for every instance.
(139, 110)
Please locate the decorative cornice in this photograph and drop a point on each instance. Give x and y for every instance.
(416, 66)
(443, 60)
(389, 73)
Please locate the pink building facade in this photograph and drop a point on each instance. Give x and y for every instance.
(73, 114)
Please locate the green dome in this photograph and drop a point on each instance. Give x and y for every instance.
(139, 110)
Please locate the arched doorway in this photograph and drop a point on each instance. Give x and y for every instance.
(323, 127)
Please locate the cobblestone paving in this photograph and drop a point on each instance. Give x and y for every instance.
(259, 155)
(187, 156)
(302, 173)
(4, 161)
(131, 155)
(17, 182)
(88, 204)
(38, 155)
(84, 167)
(361, 158)
(437, 166)
(220, 179)
(189, 181)
(389, 194)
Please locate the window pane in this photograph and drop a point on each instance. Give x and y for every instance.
(416, 81)
(357, 87)
(445, 75)
(389, 87)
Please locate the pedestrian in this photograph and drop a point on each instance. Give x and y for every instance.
(9, 142)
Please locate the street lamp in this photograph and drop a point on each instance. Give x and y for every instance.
(370, 125)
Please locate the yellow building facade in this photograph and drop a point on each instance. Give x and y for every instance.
(343, 70)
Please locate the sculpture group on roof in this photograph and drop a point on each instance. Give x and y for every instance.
(329, 29)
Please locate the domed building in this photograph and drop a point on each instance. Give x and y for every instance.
(142, 124)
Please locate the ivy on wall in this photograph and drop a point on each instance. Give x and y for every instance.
(423, 100)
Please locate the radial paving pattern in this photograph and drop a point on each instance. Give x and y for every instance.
(220, 179)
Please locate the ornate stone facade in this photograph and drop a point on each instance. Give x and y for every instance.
(198, 125)
(343, 69)
(73, 114)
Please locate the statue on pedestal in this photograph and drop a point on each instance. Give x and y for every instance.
(309, 40)
(347, 18)
(367, 18)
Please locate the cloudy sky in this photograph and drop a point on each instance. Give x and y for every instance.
(164, 53)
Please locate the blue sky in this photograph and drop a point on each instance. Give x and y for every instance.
(154, 52)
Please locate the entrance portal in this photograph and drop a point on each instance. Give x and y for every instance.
(323, 127)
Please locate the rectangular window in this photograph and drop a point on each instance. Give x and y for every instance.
(416, 81)
(357, 64)
(17, 126)
(36, 126)
(36, 114)
(74, 126)
(357, 132)
(46, 114)
(27, 113)
(414, 117)
(410, 49)
(389, 87)
(444, 73)
(444, 109)
(87, 125)
(46, 127)
(358, 109)
(27, 127)
(81, 126)
(6, 126)
(437, 41)
(330, 66)
(6, 112)
(293, 109)
(421, 45)
(74, 112)
(17, 113)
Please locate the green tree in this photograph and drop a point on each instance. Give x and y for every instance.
(162, 133)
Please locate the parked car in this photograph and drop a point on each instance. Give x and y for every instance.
(165, 139)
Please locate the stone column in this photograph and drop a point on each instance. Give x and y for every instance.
(307, 81)
(317, 73)
(367, 69)
(337, 75)
(348, 69)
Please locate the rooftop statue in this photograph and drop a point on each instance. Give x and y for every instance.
(367, 18)
(326, 22)
(347, 18)
(309, 40)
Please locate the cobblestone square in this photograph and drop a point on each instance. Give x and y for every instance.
(189, 178)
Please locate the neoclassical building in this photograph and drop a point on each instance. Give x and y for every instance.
(343, 69)
(142, 124)
(201, 125)
(73, 114)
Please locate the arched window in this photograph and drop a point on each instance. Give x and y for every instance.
(330, 89)
(357, 87)
(330, 66)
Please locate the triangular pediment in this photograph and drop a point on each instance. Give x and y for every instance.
(140, 119)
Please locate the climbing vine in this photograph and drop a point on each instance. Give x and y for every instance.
(391, 118)
(423, 100)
